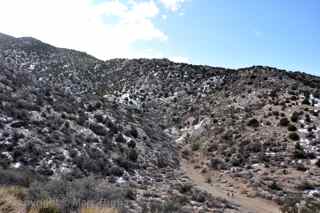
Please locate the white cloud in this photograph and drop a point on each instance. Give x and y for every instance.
(172, 5)
(105, 30)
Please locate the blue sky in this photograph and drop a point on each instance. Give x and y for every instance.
(229, 33)
(281, 33)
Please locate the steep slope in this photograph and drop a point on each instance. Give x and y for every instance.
(47, 126)
(65, 113)
(258, 125)
(55, 124)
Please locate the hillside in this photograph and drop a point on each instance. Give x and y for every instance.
(164, 129)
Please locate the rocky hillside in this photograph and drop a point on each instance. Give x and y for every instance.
(53, 125)
(65, 113)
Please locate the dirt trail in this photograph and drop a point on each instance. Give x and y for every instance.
(246, 205)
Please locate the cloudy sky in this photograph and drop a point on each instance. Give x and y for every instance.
(231, 33)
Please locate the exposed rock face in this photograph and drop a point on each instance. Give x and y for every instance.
(64, 112)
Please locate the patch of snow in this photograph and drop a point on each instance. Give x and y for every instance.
(312, 193)
(307, 145)
(66, 154)
(8, 155)
(197, 126)
(315, 100)
(50, 162)
(271, 154)
(125, 99)
(182, 138)
(64, 168)
(303, 131)
(126, 138)
(31, 67)
(16, 165)
(120, 180)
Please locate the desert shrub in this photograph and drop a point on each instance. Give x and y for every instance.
(253, 123)
(305, 185)
(82, 118)
(18, 124)
(296, 204)
(184, 188)
(199, 196)
(254, 147)
(113, 127)
(275, 186)
(23, 104)
(315, 113)
(295, 117)
(133, 132)
(120, 138)
(133, 155)
(98, 129)
(306, 101)
(17, 177)
(212, 147)
(292, 128)
(162, 161)
(131, 144)
(116, 171)
(308, 118)
(301, 167)
(168, 206)
(186, 153)
(236, 160)
(268, 123)
(284, 122)
(99, 117)
(294, 136)
(195, 146)
(131, 194)
(216, 163)
(126, 164)
(208, 180)
(298, 146)
(299, 152)
(276, 113)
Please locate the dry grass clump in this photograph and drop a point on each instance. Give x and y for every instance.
(11, 200)
(45, 207)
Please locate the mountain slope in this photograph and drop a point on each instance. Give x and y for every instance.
(65, 113)
(44, 117)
